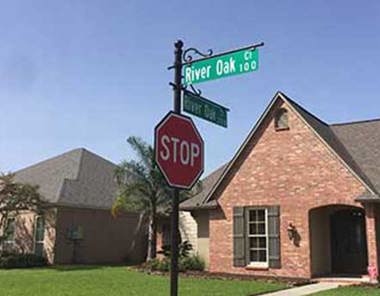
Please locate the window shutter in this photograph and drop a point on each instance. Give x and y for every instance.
(239, 237)
(274, 237)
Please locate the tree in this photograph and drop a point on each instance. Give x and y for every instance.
(142, 187)
(16, 197)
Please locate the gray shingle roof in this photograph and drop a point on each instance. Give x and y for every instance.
(362, 141)
(197, 201)
(357, 144)
(77, 178)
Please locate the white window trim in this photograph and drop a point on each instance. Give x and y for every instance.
(35, 231)
(10, 242)
(259, 264)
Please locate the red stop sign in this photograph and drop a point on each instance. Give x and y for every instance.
(179, 150)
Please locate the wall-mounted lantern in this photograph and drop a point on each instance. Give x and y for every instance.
(291, 231)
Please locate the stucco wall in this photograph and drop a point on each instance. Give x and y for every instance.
(320, 241)
(105, 239)
(203, 235)
(290, 168)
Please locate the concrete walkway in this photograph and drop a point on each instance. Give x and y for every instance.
(305, 290)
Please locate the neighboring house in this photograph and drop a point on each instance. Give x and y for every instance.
(299, 199)
(78, 227)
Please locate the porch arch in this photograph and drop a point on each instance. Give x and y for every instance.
(338, 240)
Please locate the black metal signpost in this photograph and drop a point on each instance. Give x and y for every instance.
(237, 61)
(177, 89)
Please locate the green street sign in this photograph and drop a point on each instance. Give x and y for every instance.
(204, 108)
(238, 62)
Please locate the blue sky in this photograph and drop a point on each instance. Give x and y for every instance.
(91, 73)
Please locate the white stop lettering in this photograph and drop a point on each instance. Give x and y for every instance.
(175, 149)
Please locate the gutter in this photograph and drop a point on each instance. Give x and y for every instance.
(368, 198)
(209, 206)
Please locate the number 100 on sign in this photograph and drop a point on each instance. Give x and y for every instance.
(238, 62)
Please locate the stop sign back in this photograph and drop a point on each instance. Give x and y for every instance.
(179, 150)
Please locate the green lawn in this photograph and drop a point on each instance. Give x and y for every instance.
(350, 291)
(116, 281)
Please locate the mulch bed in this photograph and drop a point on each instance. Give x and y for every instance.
(290, 282)
(367, 285)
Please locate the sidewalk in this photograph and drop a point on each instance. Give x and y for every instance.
(305, 290)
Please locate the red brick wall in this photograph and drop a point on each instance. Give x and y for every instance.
(291, 168)
(371, 215)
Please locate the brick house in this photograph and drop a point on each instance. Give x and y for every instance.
(299, 199)
(79, 189)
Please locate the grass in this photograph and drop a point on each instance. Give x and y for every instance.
(350, 291)
(117, 281)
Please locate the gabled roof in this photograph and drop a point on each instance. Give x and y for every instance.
(333, 142)
(78, 178)
(362, 141)
(339, 139)
(207, 185)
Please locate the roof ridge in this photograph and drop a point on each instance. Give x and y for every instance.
(83, 151)
(51, 158)
(334, 143)
(97, 155)
(355, 122)
(303, 109)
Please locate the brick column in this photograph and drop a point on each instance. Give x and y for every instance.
(370, 215)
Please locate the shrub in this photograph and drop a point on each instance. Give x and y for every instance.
(9, 260)
(184, 249)
(184, 264)
(193, 263)
(158, 264)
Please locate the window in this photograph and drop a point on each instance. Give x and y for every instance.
(281, 119)
(257, 237)
(9, 231)
(39, 234)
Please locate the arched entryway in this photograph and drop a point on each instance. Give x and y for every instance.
(338, 240)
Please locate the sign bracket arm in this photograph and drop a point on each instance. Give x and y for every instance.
(205, 56)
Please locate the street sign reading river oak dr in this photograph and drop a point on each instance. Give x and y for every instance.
(237, 62)
(204, 108)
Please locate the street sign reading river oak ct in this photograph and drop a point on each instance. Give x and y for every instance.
(237, 62)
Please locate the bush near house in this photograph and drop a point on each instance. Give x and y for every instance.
(12, 260)
(193, 263)
(186, 261)
(184, 249)
(158, 265)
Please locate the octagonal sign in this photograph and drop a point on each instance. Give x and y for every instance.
(179, 150)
